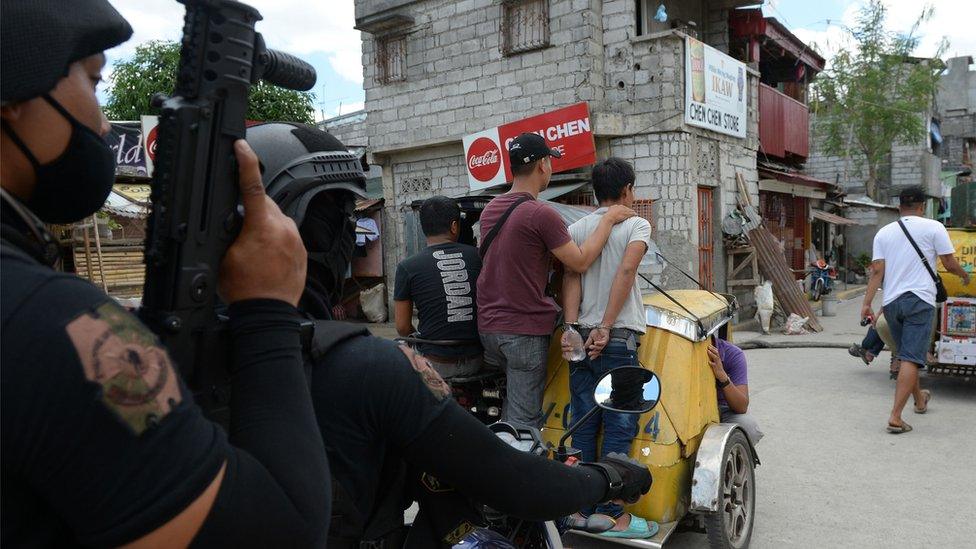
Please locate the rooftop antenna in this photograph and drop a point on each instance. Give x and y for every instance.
(322, 103)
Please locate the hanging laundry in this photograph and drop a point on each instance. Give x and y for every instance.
(367, 230)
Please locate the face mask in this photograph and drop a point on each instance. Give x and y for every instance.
(76, 184)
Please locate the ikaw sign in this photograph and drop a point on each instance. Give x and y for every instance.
(715, 90)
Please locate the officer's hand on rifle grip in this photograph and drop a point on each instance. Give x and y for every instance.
(267, 260)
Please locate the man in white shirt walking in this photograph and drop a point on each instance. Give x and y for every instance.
(910, 293)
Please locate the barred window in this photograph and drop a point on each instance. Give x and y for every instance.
(525, 25)
(391, 58)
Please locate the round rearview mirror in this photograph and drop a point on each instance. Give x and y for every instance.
(629, 389)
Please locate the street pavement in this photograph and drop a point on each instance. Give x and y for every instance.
(830, 475)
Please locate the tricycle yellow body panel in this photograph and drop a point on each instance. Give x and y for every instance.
(964, 241)
(669, 435)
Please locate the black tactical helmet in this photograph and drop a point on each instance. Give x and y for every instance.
(39, 39)
(299, 161)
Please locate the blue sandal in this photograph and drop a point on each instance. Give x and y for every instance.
(638, 529)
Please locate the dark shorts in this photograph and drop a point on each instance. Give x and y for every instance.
(910, 321)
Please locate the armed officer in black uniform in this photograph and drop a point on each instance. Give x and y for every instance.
(391, 429)
(102, 445)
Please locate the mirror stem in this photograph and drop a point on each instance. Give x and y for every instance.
(575, 427)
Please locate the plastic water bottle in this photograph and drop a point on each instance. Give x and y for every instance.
(575, 340)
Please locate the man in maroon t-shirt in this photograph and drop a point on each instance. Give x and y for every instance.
(515, 317)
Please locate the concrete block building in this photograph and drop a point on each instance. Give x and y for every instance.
(957, 110)
(437, 70)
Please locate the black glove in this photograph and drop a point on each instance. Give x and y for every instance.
(628, 478)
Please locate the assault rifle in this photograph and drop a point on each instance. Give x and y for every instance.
(195, 213)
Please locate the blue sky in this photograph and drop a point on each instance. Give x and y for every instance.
(805, 13)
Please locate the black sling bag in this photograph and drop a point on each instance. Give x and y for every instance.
(940, 292)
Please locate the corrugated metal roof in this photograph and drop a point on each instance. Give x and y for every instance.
(367, 204)
(832, 218)
(120, 205)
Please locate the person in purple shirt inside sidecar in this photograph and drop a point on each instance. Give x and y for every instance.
(728, 364)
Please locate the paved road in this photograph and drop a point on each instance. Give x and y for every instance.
(831, 475)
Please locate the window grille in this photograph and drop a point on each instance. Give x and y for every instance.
(392, 59)
(525, 25)
(411, 185)
(644, 207)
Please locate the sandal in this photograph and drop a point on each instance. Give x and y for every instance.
(638, 529)
(859, 352)
(899, 429)
(594, 524)
(925, 403)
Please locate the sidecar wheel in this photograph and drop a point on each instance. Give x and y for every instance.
(731, 526)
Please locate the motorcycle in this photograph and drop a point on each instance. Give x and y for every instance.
(506, 532)
(822, 276)
(481, 394)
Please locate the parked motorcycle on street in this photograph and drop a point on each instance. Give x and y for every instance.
(822, 276)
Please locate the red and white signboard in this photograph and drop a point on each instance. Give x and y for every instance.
(568, 129)
(149, 126)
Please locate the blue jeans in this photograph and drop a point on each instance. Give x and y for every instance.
(872, 342)
(618, 429)
(910, 321)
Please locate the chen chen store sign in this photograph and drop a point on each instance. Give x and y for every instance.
(715, 90)
(568, 129)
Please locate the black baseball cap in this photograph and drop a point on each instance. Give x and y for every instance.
(39, 39)
(529, 147)
(911, 195)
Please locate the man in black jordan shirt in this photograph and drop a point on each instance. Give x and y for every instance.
(441, 281)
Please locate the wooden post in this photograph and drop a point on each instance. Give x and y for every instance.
(88, 262)
(98, 250)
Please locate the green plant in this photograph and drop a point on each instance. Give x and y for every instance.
(877, 94)
(152, 68)
(112, 223)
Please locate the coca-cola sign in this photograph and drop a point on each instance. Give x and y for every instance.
(150, 125)
(567, 129)
(484, 159)
(151, 143)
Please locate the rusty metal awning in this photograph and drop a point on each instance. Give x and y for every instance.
(796, 178)
(831, 218)
(365, 204)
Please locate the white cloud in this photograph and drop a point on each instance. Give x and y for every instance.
(295, 26)
(952, 19)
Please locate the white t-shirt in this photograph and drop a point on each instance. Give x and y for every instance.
(598, 279)
(904, 271)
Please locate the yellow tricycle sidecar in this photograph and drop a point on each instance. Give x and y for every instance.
(689, 453)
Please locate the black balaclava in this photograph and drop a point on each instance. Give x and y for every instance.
(328, 233)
